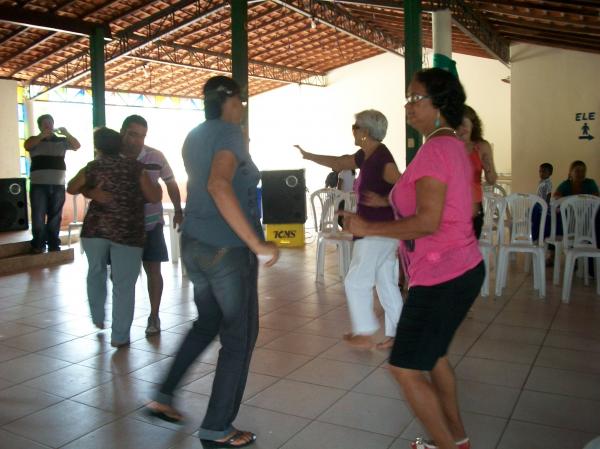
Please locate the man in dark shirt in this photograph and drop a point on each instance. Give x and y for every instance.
(47, 182)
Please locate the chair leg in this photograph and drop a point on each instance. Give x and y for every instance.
(536, 274)
(568, 277)
(586, 271)
(485, 288)
(527, 262)
(500, 268)
(541, 261)
(556, 272)
(597, 274)
(320, 260)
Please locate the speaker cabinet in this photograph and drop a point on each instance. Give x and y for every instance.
(283, 196)
(13, 205)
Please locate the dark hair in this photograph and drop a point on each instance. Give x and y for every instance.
(547, 166)
(138, 119)
(332, 179)
(216, 90)
(107, 141)
(477, 131)
(576, 164)
(43, 117)
(446, 93)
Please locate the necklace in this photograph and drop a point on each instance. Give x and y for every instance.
(435, 131)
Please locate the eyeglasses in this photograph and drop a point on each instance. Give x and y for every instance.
(355, 127)
(415, 98)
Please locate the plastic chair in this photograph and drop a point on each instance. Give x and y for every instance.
(491, 233)
(76, 223)
(327, 201)
(581, 210)
(557, 240)
(520, 206)
(494, 188)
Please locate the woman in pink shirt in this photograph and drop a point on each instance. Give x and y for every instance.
(433, 203)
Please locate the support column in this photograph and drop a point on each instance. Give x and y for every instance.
(413, 55)
(441, 21)
(97, 75)
(239, 50)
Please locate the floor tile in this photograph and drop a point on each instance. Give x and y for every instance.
(28, 367)
(558, 411)
(36, 341)
(156, 372)
(166, 343)
(492, 372)
(325, 328)
(19, 401)
(281, 321)
(60, 423)
(70, 381)
(130, 434)
(577, 342)
(487, 399)
(323, 435)
(266, 336)
(331, 373)
(516, 334)
(11, 329)
(307, 309)
(506, 351)
(255, 384)
(568, 383)
(121, 395)
(77, 350)
(11, 441)
(310, 345)
(380, 383)
(519, 435)
(296, 398)
(8, 353)
(376, 414)
(121, 361)
(275, 363)
(568, 359)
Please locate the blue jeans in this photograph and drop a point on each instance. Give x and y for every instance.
(126, 262)
(46, 201)
(226, 295)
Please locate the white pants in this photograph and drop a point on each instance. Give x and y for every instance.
(374, 264)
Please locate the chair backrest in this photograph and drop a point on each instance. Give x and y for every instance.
(578, 214)
(520, 206)
(350, 202)
(325, 203)
(494, 188)
(493, 208)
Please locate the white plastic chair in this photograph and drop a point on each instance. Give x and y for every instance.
(581, 210)
(520, 206)
(76, 223)
(327, 202)
(557, 240)
(494, 188)
(491, 233)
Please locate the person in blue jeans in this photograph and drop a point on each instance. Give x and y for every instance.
(221, 239)
(47, 182)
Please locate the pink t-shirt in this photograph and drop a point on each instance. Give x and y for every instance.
(453, 249)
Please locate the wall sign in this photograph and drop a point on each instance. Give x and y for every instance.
(584, 128)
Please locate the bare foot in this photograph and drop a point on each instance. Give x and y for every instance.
(386, 343)
(359, 341)
(164, 412)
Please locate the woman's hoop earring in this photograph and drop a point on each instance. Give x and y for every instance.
(437, 122)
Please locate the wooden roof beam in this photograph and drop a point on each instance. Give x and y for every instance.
(477, 27)
(339, 19)
(50, 22)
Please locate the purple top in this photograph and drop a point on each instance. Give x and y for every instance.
(371, 179)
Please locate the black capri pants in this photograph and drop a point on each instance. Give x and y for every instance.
(430, 317)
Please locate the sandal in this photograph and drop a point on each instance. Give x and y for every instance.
(164, 412)
(419, 443)
(232, 441)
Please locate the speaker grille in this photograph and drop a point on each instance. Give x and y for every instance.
(283, 196)
(13, 205)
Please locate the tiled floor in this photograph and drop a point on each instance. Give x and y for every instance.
(528, 369)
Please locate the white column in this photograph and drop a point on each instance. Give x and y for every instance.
(442, 32)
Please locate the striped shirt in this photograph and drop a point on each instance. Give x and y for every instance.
(48, 161)
(157, 167)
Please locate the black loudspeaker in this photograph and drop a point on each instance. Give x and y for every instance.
(13, 205)
(283, 196)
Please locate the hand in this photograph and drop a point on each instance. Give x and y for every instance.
(99, 195)
(269, 251)
(302, 152)
(62, 130)
(177, 220)
(45, 133)
(354, 224)
(373, 199)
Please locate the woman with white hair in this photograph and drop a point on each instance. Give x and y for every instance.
(374, 259)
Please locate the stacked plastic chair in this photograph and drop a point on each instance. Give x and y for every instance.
(491, 233)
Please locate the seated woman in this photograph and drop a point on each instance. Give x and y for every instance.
(113, 229)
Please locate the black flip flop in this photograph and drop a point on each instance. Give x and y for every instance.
(212, 444)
